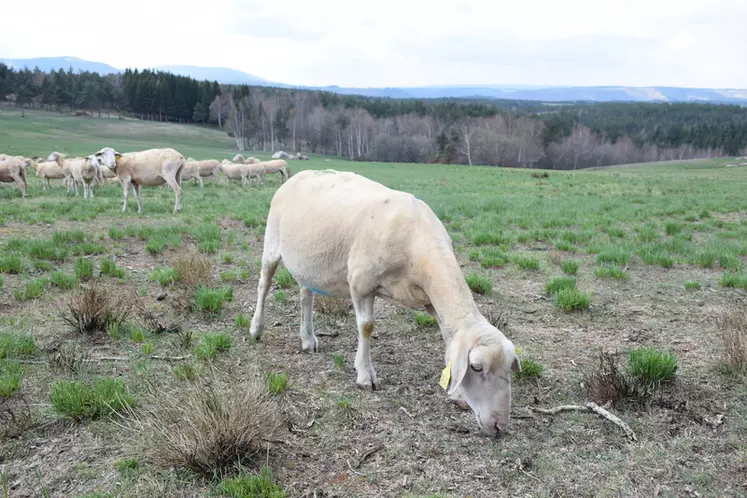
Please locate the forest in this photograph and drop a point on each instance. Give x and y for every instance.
(458, 131)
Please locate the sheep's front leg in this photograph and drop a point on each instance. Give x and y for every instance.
(309, 342)
(365, 318)
(269, 265)
(126, 193)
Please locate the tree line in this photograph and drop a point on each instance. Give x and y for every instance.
(457, 131)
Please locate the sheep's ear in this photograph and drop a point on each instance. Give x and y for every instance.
(516, 365)
(118, 155)
(459, 360)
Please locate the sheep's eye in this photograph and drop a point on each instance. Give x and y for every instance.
(476, 368)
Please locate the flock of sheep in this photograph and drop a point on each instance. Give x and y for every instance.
(150, 168)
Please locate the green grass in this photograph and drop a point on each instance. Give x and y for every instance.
(527, 262)
(11, 375)
(735, 280)
(530, 369)
(479, 284)
(572, 300)
(245, 485)
(652, 367)
(281, 297)
(184, 371)
(63, 280)
(570, 266)
(423, 319)
(277, 383)
(84, 268)
(33, 289)
(164, 276)
(283, 278)
(16, 345)
(127, 466)
(212, 344)
(243, 321)
(80, 400)
(338, 360)
(611, 271)
(211, 300)
(615, 255)
(555, 285)
(11, 264)
(228, 276)
(692, 285)
(110, 268)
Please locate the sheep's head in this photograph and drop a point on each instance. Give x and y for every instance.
(478, 370)
(93, 160)
(108, 157)
(55, 156)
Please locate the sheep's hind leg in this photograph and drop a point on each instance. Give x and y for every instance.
(270, 260)
(364, 314)
(309, 342)
(174, 184)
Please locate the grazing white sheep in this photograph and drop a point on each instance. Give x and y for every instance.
(197, 170)
(342, 235)
(243, 172)
(13, 169)
(276, 166)
(152, 167)
(86, 172)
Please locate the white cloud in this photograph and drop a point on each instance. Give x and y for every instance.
(401, 42)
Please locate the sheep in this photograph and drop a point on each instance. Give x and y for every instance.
(343, 235)
(276, 166)
(65, 167)
(241, 171)
(238, 158)
(13, 169)
(86, 172)
(196, 170)
(105, 174)
(152, 167)
(49, 170)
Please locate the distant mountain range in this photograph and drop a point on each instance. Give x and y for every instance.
(547, 93)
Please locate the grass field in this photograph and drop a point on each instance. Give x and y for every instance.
(568, 266)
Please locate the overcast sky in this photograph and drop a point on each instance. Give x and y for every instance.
(697, 43)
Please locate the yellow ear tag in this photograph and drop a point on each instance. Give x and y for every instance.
(445, 376)
(517, 350)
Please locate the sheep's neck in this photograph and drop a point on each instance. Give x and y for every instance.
(451, 298)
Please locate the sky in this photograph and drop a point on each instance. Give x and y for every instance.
(690, 43)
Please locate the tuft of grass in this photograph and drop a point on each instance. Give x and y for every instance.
(209, 428)
(32, 290)
(69, 358)
(611, 271)
(228, 258)
(243, 321)
(84, 268)
(63, 280)
(64, 238)
(424, 319)
(281, 297)
(326, 305)
(339, 360)
(527, 262)
(11, 264)
(184, 371)
(692, 285)
(651, 367)
(211, 300)
(283, 278)
(208, 238)
(344, 402)
(16, 345)
(164, 276)
(570, 266)
(96, 309)
(110, 268)
(735, 280)
(116, 233)
(79, 401)
(572, 299)
(555, 285)
(11, 375)
(228, 276)
(491, 238)
(147, 348)
(261, 485)
(530, 369)
(212, 344)
(193, 271)
(277, 383)
(127, 466)
(46, 250)
(732, 329)
(479, 283)
(615, 255)
(673, 227)
(608, 383)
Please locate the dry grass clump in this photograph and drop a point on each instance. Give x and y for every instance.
(608, 382)
(68, 358)
(732, 329)
(15, 416)
(153, 322)
(207, 428)
(331, 306)
(95, 307)
(193, 271)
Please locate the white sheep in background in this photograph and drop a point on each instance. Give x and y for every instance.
(241, 171)
(64, 165)
(13, 169)
(152, 167)
(197, 170)
(342, 235)
(86, 173)
(276, 166)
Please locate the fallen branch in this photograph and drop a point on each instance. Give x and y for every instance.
(588, 407)
(328, 334)
(152, 357)
(367, 454)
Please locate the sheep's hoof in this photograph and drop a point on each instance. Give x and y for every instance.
(311, 346)
(367, 382)
(461, 404)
